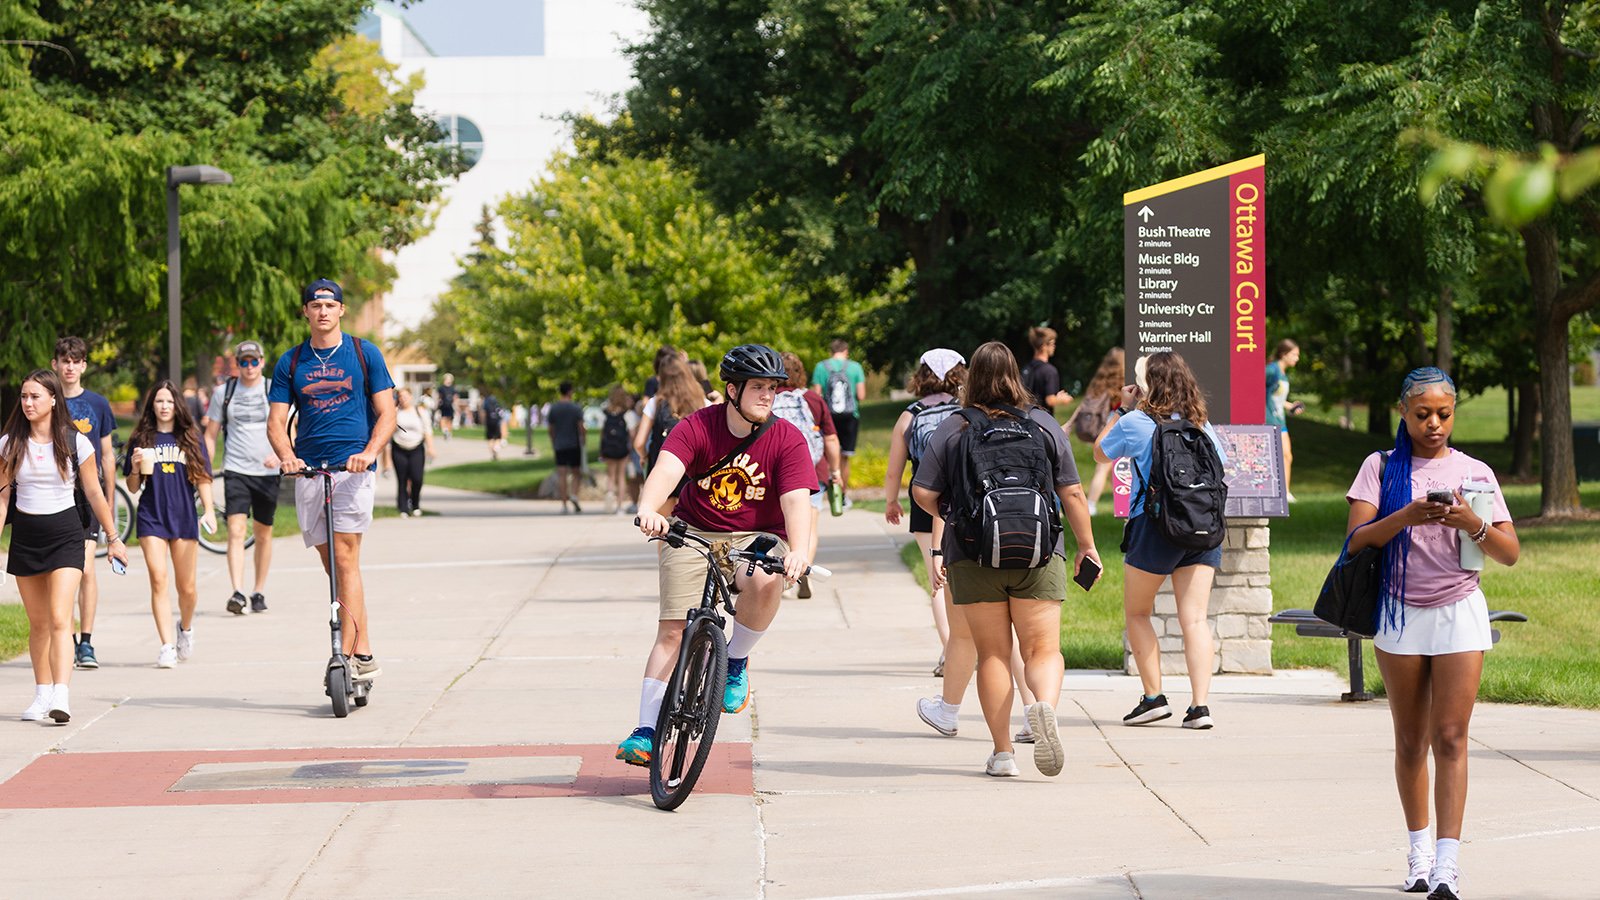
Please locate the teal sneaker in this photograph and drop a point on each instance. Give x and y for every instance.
(635, 749)
(736, 696)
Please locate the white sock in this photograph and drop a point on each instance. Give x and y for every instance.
(1419, 841)
(1446, 851)
(650, 699)
(743, 641)
(58, 694)
(42, 690)
(949, 709)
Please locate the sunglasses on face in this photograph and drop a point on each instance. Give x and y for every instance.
(250, 363)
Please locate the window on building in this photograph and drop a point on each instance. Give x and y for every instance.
(462, 132)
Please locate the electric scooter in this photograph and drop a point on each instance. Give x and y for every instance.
(343, 687)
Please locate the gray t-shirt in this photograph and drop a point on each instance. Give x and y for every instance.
(941, 455)
(246, 438)
(564, 419)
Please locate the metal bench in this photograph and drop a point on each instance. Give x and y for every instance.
(1306, 624)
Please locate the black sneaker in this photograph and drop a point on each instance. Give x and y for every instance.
(1150, 709)
(258, 603)
(236, 603)
(1198, 717)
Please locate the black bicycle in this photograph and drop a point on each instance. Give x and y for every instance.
(692, 707)
(343, 687)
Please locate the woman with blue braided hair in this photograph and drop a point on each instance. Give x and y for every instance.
(1433, 620)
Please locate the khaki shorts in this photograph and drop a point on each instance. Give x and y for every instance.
(972, 583)
(352, 506)
(683, 570)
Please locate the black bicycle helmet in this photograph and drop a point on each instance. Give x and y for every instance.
(748, 361)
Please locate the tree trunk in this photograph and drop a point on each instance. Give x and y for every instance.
(1444, 352)
(1558, 478)
(1511, 412)
(1526, 407)
(1380, 406)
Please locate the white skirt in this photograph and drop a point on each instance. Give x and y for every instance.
(1459, 627)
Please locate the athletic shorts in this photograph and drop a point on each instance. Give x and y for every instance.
(352, 505)
(683, 570)
(972, 583)
(447, 414)
(572, 457)
(849, 426)
(1145, 548)
(252, 495)
(1459, 627)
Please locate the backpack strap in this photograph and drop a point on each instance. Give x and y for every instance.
(227, 398)
(738, 448)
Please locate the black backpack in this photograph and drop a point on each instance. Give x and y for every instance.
(1185, 493)
(1001, 509)
(614, 437)
(660, 427)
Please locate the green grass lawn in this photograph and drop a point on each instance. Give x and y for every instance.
(1548, 660)
(514, 475)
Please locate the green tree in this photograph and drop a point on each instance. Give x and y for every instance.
(607, 261)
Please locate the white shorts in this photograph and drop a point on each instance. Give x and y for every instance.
(352, 506)
(1459, 627)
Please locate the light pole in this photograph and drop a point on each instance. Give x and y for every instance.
(177, 175)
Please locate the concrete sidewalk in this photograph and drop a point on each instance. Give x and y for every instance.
(512, 640)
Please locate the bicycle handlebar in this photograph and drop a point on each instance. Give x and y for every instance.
(310, 471)
(679, 534)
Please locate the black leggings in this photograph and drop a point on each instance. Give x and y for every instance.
(408, 475)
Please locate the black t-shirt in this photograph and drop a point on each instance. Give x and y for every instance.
(447, 395)
(1042, 380)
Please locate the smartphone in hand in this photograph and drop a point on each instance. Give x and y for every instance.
(1445, 497)
(117, 566)
(1087, 573)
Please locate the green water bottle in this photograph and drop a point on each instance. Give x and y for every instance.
(835, 498)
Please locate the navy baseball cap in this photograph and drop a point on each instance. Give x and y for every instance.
(321, 286)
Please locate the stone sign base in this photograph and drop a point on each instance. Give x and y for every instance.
(1241, 601)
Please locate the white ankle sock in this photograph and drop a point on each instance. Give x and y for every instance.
(1419, 842)
(742, 641)
(950, 709)
(650, 698)
(58, 693)
(1447, 851)
(42, 690)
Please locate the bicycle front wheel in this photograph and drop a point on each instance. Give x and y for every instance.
(690, 712)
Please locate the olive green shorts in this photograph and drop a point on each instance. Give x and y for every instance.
(683, 570)
(972, 583)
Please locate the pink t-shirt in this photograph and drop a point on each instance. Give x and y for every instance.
(1434, 576)
(743, 495)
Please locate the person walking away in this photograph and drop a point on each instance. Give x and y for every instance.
(167, 460)
(1149, 555)
(843, 385)
(742, 473)
(494, 416)
(678, 397)
(616, 436)
(805, 411)
(664, 353)
(411, 448)
(1092, 415)
(1284, 357)
(447, 405)
(91, 416)
(1039, 376)
(342, 388)
(989, 471)
(238, 415)
(568, 438)
(1433, 619)
(43, 457)
(935, 383)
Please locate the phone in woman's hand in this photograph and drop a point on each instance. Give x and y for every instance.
(1445, 497)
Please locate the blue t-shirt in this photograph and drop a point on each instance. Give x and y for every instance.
(334, 424)
(167, 506)
(1134, 435)
(1277, 395)
(92, 415)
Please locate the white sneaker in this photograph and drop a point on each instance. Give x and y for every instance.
(40, 707)
(168, 657)
(1002, 765)
(1417, 869)
(1444, 880)
(185, 644)
(1048, 754)
(931, 710)
(59, 711)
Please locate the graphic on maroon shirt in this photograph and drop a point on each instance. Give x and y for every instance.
(742, 495)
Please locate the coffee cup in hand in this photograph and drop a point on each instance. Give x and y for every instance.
(147, 460)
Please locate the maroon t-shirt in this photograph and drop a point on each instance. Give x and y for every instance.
(743, 495)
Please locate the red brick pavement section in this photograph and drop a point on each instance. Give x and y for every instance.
(84, 780)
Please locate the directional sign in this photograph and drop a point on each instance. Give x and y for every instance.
(1195, 267)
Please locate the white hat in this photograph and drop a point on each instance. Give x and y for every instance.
(941, 361)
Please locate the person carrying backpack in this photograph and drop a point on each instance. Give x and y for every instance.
(616, 439)
(1092, 415)
(806, 411)
(843, 385)
(993, 472)
(1175, 525)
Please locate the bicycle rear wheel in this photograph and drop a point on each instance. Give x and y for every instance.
(689, 716)
(217, 541)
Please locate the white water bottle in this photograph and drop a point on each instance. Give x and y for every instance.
(1480, 496)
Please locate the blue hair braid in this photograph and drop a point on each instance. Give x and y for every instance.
(1393, 495)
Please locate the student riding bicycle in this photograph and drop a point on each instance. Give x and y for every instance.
(735, 472)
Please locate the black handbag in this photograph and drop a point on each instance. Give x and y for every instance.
(1350, 593)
